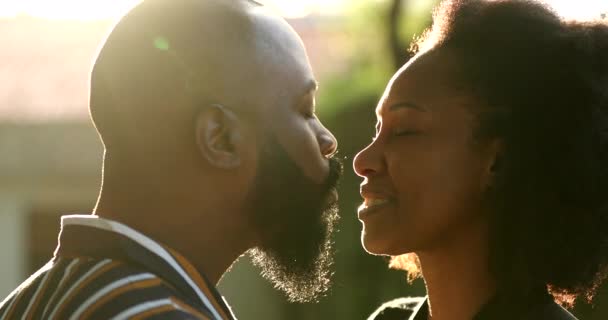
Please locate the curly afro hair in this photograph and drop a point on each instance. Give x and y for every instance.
(543, 84)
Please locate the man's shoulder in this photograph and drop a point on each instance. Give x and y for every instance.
(126, 290)
(84, 288)
(397, 309)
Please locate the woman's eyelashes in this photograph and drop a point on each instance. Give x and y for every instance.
(406, 132)
(398, 133)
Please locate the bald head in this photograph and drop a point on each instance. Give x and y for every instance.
(166, 58)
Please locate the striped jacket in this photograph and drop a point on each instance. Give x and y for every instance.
(105, 270)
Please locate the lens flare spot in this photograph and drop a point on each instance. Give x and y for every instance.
(161, 43)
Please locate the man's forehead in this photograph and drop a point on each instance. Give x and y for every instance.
(280, 57)
(273, 35)
(271, 58)
(257, 59)
(302, 94)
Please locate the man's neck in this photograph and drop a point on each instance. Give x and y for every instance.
(457, 276)
(206, 239)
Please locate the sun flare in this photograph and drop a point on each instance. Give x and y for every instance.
(583, 10)
(66, 9)
(107, 9)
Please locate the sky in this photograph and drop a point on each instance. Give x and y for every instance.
(108, 9)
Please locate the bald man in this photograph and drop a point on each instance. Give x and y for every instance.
(206, 110)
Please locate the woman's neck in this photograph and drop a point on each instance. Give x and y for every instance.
(457, 276)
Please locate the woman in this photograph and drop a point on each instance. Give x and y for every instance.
(489, 169)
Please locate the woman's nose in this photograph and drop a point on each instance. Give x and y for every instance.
(368, 161)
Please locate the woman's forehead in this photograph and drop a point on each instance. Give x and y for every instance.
(430, 67)
(427, 79)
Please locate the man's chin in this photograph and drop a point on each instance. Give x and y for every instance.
(331, 200)
(299, 283)
(302, 271)
(295, 227)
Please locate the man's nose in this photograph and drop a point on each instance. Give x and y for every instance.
(327, 142)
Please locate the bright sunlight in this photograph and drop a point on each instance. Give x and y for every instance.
(105, 9)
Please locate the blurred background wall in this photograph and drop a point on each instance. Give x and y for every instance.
(50, 154)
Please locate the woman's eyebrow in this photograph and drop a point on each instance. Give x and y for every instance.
(397, 106)
(400, 105)
(407, 104)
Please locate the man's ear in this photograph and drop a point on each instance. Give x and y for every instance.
(218, 136)
(493, 161)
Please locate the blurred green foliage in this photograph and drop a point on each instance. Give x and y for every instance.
(346, 104)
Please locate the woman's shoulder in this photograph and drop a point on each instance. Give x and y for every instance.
(398, 309)
(550, 311)
(404, 308)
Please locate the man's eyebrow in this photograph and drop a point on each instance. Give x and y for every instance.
(310, 88)
(407, 104)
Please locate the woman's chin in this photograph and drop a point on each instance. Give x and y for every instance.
(381, 247)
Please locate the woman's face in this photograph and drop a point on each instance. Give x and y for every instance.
(423, 173)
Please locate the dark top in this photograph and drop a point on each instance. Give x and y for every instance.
(537, 306)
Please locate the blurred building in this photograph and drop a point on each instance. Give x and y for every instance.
(50, 152)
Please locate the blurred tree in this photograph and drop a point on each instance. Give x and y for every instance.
(380, 32)
(399, 53)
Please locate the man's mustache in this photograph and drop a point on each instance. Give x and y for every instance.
(336, 169)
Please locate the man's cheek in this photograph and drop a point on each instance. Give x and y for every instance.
(308, 158)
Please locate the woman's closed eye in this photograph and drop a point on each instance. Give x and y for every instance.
(406, 132)
(400, 133)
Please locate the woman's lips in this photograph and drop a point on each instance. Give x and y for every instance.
(373, 206)
(375, 198)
